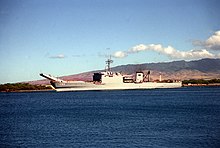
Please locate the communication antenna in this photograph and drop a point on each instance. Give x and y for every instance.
(108, 63)
(148, 76)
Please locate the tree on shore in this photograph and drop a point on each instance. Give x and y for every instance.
(201, 81)
(20, 86)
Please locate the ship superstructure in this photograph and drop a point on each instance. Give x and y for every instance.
(109, 80)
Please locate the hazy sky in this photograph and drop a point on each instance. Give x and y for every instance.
(64, 37)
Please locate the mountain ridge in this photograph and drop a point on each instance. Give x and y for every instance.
(203, 65)
(181, 70)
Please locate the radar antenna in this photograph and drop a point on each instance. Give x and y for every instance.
(108, 63)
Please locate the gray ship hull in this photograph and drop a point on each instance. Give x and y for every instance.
(109, 80)
(124, 86)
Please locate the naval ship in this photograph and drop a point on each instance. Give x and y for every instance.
(108, 80)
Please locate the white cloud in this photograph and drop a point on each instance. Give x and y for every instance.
(60, 56)
(119, 54)
(213, 42)
(172, 52)
(169, 51)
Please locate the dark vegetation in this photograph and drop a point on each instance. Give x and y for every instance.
(21, 87)
(201, 81)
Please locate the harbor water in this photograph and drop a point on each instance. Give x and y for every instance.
(181, 117)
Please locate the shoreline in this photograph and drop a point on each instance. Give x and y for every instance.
(47, 90)
(43, 90)
(213, 84)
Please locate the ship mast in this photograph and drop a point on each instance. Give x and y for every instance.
(108, 63)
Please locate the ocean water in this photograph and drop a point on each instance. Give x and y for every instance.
(184, 117)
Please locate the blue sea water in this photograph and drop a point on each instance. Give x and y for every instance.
(184, 117)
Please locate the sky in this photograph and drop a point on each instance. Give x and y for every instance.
(65, 37)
